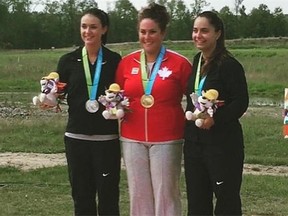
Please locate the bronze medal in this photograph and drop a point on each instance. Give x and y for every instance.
(147, 101)
(92, 106)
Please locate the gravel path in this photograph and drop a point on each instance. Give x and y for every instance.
(30, 161)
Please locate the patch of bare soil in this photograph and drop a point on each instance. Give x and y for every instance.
(257, 169)
(30, 161)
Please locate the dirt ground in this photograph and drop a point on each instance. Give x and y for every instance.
(29, 161)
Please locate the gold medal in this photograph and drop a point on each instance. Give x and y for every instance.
(147, 101)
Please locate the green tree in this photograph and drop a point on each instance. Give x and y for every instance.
(150, 1)
(4, 16)
(71, 19)
(230, 22)
(58, 23)
(52, 7)
(243, 19)
(86, 4)
(163, 2)
(180, 25)
(197, 7)
(20, 24)
(237, 4)
(123, 22)
(259, 22)
(279, 26)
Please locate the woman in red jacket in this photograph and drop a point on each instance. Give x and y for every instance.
(154, 79)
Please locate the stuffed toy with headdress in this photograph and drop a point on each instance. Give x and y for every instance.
(205, 106)
(52, 92)
(116, 104)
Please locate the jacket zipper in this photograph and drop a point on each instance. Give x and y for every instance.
(146, 124)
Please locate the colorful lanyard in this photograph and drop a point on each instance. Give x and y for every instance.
(148, 83)
(92, 87)
(198, 86)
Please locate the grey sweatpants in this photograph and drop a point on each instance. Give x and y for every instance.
(153, 173)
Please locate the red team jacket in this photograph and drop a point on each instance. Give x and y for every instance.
(165, 120)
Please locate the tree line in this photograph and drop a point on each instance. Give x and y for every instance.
(57, 24)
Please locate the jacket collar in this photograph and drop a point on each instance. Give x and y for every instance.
(136, 56)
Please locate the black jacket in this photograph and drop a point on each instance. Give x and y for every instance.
(71, 71)
(229, 79)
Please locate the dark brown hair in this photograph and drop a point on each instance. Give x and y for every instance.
(104, 19)
(156, 12)
(220, 52)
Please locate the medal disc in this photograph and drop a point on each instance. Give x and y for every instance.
(92, 106)
(147, 101)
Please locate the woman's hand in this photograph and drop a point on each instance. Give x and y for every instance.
(208, 123)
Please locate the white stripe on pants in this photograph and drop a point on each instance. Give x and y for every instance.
(153, 173)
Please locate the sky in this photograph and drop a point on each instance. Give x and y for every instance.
(214, 4)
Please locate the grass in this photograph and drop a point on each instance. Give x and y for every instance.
(40, 192)
(264, 142)
(31, 132)
(40, 134)
(265, 66)
(264, 195)
(47, 191)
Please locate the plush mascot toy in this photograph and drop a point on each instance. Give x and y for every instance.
(51, 92)
(205, 105)
(114, 101)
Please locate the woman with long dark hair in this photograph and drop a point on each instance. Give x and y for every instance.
(91, 142)
(214, 152)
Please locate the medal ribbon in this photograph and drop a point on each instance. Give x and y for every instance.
(148, 83)
(92, 87)
(198, 86)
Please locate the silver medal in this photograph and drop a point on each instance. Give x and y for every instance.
(92, 106)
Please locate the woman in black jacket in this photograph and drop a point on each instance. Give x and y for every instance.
(91, 142)
(214, 152)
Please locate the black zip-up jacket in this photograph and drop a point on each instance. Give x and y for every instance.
(71, 71)
(229, 79)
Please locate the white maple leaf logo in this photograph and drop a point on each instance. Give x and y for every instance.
(164, 73)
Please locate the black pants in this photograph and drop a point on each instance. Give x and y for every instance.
(94, 174)
(210, 174)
